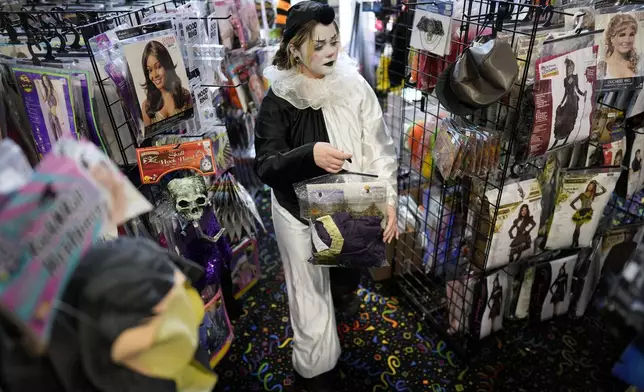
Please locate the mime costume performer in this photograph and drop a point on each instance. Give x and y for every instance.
(300, 118)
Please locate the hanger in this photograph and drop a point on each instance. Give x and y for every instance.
(577, 30)
(69, 27)
(35, 57)
(7, 24)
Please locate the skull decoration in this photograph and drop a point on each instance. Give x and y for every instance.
(189, 195)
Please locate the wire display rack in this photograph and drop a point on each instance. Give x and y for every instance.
(447, 246)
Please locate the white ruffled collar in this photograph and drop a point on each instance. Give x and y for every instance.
(304, 92)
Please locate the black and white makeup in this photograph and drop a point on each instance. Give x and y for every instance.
(320, 53)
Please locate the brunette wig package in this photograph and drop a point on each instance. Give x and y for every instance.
(156, 65)
(581, 199)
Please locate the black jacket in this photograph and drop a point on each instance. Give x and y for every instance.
(284, 140)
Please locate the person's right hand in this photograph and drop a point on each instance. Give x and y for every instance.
(329, 158)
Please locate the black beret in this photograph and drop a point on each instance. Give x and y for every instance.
(304, 12)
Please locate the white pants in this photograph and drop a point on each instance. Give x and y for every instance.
(316, 347)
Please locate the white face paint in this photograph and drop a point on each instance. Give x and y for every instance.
(324, 50)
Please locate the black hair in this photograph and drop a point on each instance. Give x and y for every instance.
(172, 82)
(49, 90)
(521, 209)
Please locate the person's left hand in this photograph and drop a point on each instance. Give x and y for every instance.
(391, 230)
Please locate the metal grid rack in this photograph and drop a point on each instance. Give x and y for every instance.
(43, 21)
(456, 218)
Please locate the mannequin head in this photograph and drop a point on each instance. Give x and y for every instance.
(311, 40)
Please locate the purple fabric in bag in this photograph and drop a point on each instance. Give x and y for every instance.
(363, 243)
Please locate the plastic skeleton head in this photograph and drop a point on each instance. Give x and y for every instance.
(189, 195)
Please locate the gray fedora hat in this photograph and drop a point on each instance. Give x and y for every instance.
(478, 78)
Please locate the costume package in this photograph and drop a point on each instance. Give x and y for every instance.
(215, 332)
(521, 278)
(490, 298)
(636, 151)
(550, 294)
(48, 98)
(585, 280)
(517, 222)
(563, 96)
(581, 199)
(347, 213)
(245, 268)
(618, 245)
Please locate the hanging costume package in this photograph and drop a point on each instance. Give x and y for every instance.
(215, 332)
(346, 213)
(522, 278)
(621, 48)
(245, 268)
(550, 294)
(48, 99)
(585, 281)
(636, 150)
(489, 304)
(617, 247)
(517, 222)
(581, 199)
(563, 96)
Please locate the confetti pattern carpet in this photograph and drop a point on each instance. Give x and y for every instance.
(386, 348)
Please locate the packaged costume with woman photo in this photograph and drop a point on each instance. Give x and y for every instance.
(581, 199)
(635, 175)
(489, 304)
(621, 46)
(564, 99)
(618, 245)
(48, 99)
(517, 222)
(159, 76)
(585, 280)
(550, 295)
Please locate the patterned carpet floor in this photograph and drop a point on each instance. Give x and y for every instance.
(387, 347)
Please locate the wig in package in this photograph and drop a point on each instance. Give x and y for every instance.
(159, 75)
(489, 303)
(620, 63)
(346, 212)
(48, 98)
(564, 99)
(581, 199)
(550, 295)
(517, 222)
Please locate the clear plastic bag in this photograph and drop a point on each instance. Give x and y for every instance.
(346, 213)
